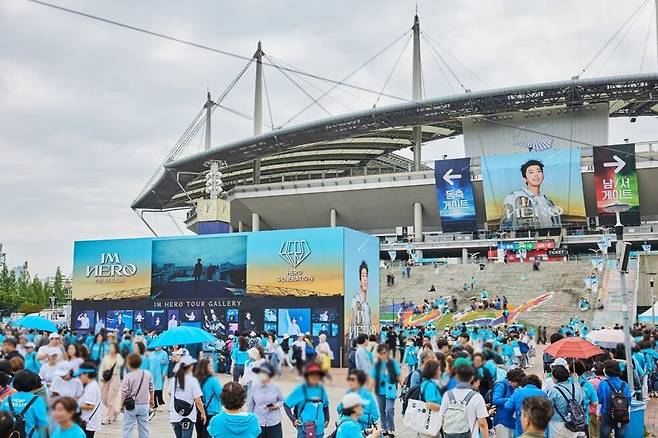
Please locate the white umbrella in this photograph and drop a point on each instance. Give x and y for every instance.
(607, 338)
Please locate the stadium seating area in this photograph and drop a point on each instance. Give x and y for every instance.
(518, 282)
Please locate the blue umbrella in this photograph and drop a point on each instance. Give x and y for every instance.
(36, 322)
(182, 335)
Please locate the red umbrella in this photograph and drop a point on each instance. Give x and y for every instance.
(573, 348)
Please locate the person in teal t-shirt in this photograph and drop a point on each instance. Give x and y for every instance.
(232, 422)
(27, 384)
(308, 404)
(352, 410)
(67, 416)
(356, 381)
(386, 379)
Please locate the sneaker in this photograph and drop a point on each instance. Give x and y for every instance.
(151, 414)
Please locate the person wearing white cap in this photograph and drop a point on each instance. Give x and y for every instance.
(54, 343)
(64, 384)
(549, 382)
(47, 371)
(349, 426)
(185, 399)
(255, 360)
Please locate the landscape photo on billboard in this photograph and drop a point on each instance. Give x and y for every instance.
(199, 267)
(533, 190)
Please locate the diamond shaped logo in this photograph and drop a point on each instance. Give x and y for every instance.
(294, 252)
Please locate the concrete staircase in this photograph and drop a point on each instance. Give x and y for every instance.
(517, 281)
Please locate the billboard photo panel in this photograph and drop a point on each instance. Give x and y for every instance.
(533, 190)
(616, 183)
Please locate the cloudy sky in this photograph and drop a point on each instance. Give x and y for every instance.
(89, 110)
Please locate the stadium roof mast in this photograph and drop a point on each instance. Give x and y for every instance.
(208, 106)
(258, 105)
(417, 91)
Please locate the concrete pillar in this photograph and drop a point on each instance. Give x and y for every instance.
(332, 218)
(418, 222)
(240, 227)
(464, 255)
(255, 222)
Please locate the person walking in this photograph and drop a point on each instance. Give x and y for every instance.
(98, 349)
(232, 422)
(356, 381)
(90, 402)
(158, 361)
(564, 392)
(136, 397)
(613, 388)
(363, 359)
(27, 403)
(185, 399)
(473, 418)
(265, 400)
(239, 357)
(212, 392)
(324, 354)
(386, 380)
(308, 404)
(111, 382)
(530, 387)
(502, 391)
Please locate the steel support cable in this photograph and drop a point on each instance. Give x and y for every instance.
(294, 82)
(342, 81)
(199, 46)
(240, 114)
(646, 39)
(390, 74)
(614, 35)
(449, 53)
(452, 72)
(443, 73)
(267, 98)
(614, 49)
(312, 85)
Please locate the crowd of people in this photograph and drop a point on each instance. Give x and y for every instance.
(474, 380)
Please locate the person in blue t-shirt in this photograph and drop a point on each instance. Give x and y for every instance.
(530, 387)
(430, 392)
(356, 380)
(232, 422)
(352, 410)
(31, 362)
(612, 371)
(308, 405)
(67, 416)
(502, 391)
(27, 383)
(212, 392)
(410, 357)
(386, 379)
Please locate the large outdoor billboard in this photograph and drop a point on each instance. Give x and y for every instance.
(454, 191)
(361, 284)
(615, 183)
(533, 190)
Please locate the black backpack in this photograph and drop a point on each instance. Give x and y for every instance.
(618, 404)
(574, 419)
(19, 418)
(408, 392)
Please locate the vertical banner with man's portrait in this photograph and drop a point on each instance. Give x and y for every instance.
(533, 190)
(615, 183)
(454, 192)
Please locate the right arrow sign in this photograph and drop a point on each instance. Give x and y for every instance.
(618, 164)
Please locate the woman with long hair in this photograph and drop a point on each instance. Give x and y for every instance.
(6, 376)
(73, 356)
(111, 382)
(66, 414)
(185, 399)
(212, 392)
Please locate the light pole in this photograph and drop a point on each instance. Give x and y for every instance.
(653, 299)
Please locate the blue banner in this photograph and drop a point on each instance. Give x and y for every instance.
(454, 192)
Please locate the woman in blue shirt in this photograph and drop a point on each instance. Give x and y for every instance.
(98, 349)
(386, 379)
(212, 392)
(158, 362)
(31, 362)
(430, 392)
(232, 422)
(67, 417)
(239, 357)
(27, 384)
(352, 410)
(356, 381)
(612, 371)
(530, 388)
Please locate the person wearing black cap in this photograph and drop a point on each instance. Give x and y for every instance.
(265, 400)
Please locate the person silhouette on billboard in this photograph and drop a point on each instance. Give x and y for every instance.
(84, 321)
(249, 324)
(361, 321)
(173, 322)
(528, 207)
(198, 270)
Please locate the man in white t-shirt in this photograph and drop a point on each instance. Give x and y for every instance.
(54, 343)
(47, 371)
(476, 408)
(90, 402)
